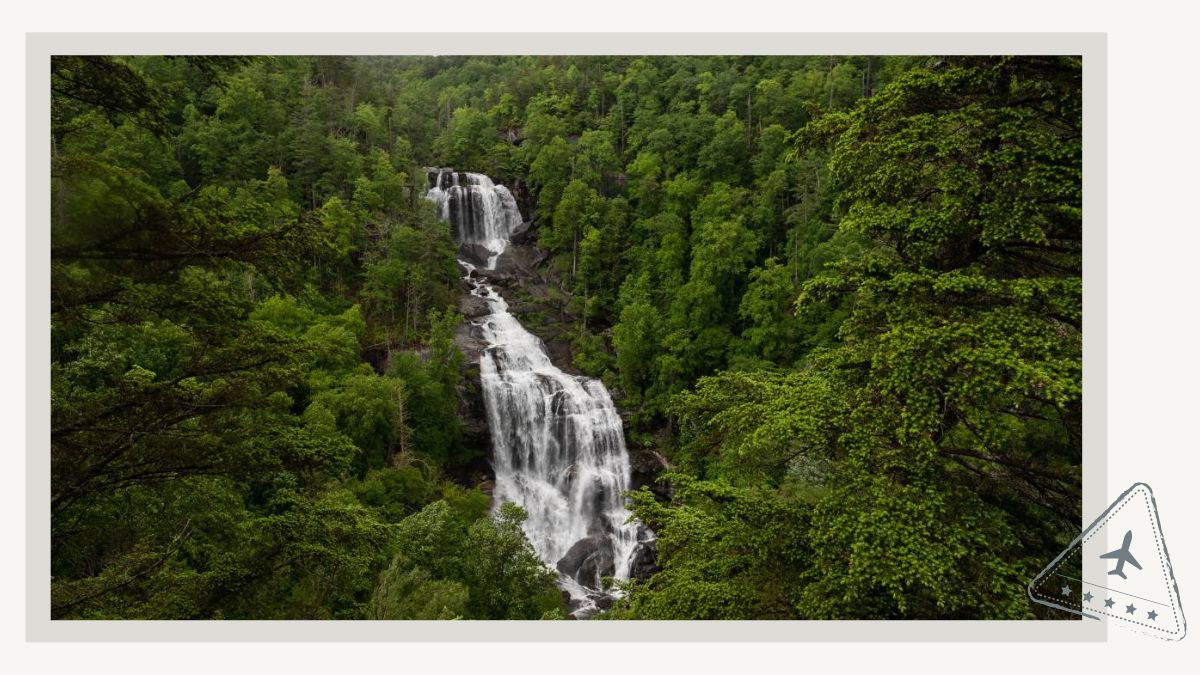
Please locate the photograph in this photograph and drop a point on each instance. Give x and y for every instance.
(605, 337)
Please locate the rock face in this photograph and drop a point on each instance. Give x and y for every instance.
(647, 465)
(522, 234)
(644, 563)
(472, 412)
(517, 265)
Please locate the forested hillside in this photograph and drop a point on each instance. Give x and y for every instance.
(840, 295)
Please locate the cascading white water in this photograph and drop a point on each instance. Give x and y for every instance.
(558, 442)
(479, 211)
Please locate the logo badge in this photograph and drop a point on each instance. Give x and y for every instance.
(1118, 570)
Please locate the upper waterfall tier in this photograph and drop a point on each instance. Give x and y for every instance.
(479, 211)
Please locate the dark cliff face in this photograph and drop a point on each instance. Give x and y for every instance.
(518, 269)
(471, 410)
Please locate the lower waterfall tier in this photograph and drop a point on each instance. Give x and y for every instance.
(558, 452)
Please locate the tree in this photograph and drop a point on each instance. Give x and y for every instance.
(507, 581)
(549, 174)
(449, 567)
(724, 157)
(602, 254)
(413, 273)
(595, 159)
(645, 174)
(581, 207)
(210, 403)
(772, 332)
(843, 296)
(636, 339)
(431, 384)
(468, 138)
(105, 83)
(726, 553)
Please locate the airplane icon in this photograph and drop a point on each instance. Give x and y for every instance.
(1122, 556)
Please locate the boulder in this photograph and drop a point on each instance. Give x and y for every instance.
(503, 275)
(476, 254)
(588, 560)
(474, 307)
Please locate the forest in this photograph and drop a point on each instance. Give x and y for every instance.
(839, 300)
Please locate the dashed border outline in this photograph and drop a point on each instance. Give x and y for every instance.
(1076, 549)
(1033, 589)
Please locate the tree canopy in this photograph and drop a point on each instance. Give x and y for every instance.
(840, 295)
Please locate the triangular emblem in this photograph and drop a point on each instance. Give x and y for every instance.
(1118, 569)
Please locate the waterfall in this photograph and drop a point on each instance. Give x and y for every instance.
(479, 211)
(558, 442)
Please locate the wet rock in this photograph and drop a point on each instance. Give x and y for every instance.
(560, 352)
(502, 276)
(476, 254)
(588, 560)
(470, 342)
(516, 263)
(579, 609)
(472, 412)
(474, 307)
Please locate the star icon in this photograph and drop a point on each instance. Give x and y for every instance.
(1108, 602)
(1130, 609)
(1152, 615)
(1066, 590)
(1087, 597)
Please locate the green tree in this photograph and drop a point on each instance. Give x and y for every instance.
(595, 159)
(449, 567)
(468, 138)
(581, 208)
(772, 332)
(549, 174)
(724, 157)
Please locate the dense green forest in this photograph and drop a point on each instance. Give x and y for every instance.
(841, 295)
